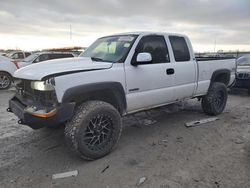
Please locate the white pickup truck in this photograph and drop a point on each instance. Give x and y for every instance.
(117, 75)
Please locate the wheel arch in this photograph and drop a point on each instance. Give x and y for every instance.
(222, 76)
(110, 92)
(7, 73)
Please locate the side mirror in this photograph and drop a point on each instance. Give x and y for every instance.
(143, 57)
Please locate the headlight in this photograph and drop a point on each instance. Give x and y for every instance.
(42, 86)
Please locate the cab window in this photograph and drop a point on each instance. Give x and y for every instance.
(156, 46)
(180, 48)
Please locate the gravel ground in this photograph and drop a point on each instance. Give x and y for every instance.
(164, 154)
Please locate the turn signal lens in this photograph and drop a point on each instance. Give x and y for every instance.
(45, 115)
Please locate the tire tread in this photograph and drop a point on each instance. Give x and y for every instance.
(207, 100)
(73, 126)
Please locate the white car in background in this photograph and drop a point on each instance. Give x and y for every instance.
(9, 66)
(2, 54)
(7, 69)
(18, 55)
(44, 56)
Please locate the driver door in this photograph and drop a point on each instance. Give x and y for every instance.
(150, 84)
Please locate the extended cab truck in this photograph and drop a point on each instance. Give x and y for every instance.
(117, 75)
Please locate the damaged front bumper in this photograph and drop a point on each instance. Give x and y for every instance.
(40, 119)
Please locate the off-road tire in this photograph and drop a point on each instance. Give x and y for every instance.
(8, 78)
(81, 128)
(215, 101)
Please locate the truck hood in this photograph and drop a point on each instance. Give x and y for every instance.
(59, 67)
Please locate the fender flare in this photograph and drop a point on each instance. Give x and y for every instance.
(100, 90)
(220, 72)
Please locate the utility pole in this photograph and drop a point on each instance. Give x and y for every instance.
(70, 31)
(214, 45)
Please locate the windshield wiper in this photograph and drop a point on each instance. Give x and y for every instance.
(96, 59)
(100, 59)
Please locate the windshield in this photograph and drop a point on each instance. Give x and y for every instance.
(110, 49)
(31, 57)
(243, 61)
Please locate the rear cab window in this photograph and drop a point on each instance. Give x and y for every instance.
(180, 48)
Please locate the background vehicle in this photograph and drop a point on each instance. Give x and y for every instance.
(243, 73)
(117, 75)
(7, 69)
(9, 66)
(43, 56)
(2, 54)
(18, 55)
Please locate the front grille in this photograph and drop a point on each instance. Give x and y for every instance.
(243, 76)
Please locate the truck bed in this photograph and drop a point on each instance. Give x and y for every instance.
(212, 58)
(207, 66)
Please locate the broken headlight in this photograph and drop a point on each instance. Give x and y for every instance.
(47, 85)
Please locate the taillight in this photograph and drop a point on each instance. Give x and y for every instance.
(16, 64)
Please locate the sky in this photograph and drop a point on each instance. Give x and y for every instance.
(211, 25)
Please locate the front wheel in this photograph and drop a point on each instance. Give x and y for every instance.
(215, 101)
(94, 130)
(5, 80)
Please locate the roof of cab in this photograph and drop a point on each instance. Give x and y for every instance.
(148, 33)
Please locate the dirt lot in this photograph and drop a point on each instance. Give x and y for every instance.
(166, 153)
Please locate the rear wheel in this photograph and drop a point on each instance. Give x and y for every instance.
(5, 80)
(215, 101)
(94, 130)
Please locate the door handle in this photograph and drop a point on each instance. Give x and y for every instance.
(170, 71)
